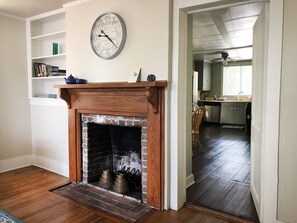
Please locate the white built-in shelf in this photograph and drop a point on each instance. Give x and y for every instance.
(56, 56)
(42, 32)
(51, 77)
(50, 36)
(47, 101)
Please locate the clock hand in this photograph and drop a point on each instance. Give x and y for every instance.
(105, 35)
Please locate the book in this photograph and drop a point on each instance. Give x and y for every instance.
(134, 76)
(55, 48)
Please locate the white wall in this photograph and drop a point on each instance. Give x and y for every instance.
(287, 196)
(50, 138)
(15, 137)
(147, 43)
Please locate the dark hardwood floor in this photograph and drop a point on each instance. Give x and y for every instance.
(222, 172)
(24, 193)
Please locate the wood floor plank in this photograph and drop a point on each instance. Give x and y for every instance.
(242, 174)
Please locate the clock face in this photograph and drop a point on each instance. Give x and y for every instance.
(108, 35)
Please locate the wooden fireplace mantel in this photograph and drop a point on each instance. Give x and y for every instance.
(141, 99)
(150, 89)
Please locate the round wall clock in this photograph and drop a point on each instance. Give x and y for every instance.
(108, 35)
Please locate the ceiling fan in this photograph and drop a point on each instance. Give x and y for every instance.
(225, 58)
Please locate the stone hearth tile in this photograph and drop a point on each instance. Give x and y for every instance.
(125, 208)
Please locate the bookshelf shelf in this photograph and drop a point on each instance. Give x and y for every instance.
(62, 56)
(49, 78)
(50, 36)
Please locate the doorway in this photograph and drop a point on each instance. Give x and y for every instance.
(222, 42)
(268, 207)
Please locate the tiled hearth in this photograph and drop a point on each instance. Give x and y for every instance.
(127, 209)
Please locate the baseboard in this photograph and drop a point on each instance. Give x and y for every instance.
(50, 165)
(255, 197)
(15, 163)
(190, 180)
(280, 221)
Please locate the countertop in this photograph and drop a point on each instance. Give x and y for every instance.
(225, 100)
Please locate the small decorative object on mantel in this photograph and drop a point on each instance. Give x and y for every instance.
(80, 81)
(134, 75)
(151, 78)
(72, 80)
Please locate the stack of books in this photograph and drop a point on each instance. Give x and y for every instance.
(44, 70)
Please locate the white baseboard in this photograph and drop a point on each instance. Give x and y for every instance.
(51, 165)
(15, 163)
(280, 221)
(190, 180)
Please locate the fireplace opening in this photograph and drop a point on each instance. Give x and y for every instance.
(112, 157)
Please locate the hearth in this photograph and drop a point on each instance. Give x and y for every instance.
(141, 100)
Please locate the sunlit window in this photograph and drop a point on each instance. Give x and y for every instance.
(237, 80)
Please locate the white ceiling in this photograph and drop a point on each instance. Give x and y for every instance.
(222, 29)
(28, 8)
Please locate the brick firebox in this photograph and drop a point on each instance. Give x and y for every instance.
(100, 153)
(142, 100)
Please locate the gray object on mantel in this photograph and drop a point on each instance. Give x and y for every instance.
(151, 78)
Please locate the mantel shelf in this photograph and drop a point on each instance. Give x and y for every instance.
(104, 85)
(149, 89)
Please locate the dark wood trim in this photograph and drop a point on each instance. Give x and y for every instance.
(141, 99)
(162, 144)
(72, 144)
(105, 112)
(78, 146)
(229, 218)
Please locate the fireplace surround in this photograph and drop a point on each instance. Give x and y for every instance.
(134, 100)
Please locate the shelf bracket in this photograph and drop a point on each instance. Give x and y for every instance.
(65, 95)
(151, 95)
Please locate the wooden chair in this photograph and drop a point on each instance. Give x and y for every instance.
(196, 121)
(194, 106)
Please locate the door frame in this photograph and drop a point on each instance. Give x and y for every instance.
(270, 137)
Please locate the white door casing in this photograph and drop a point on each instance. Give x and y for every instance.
(260, 32)
(269, 121)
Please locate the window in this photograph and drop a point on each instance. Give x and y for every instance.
(237, 80)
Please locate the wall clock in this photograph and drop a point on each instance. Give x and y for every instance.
(108, 35)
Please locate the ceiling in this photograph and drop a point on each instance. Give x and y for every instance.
(225, 30)
(28, 8)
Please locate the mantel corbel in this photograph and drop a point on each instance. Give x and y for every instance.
(65, 95)
(151, 95)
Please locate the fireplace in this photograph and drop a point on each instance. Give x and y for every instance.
(119, 103)
(117, 144)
